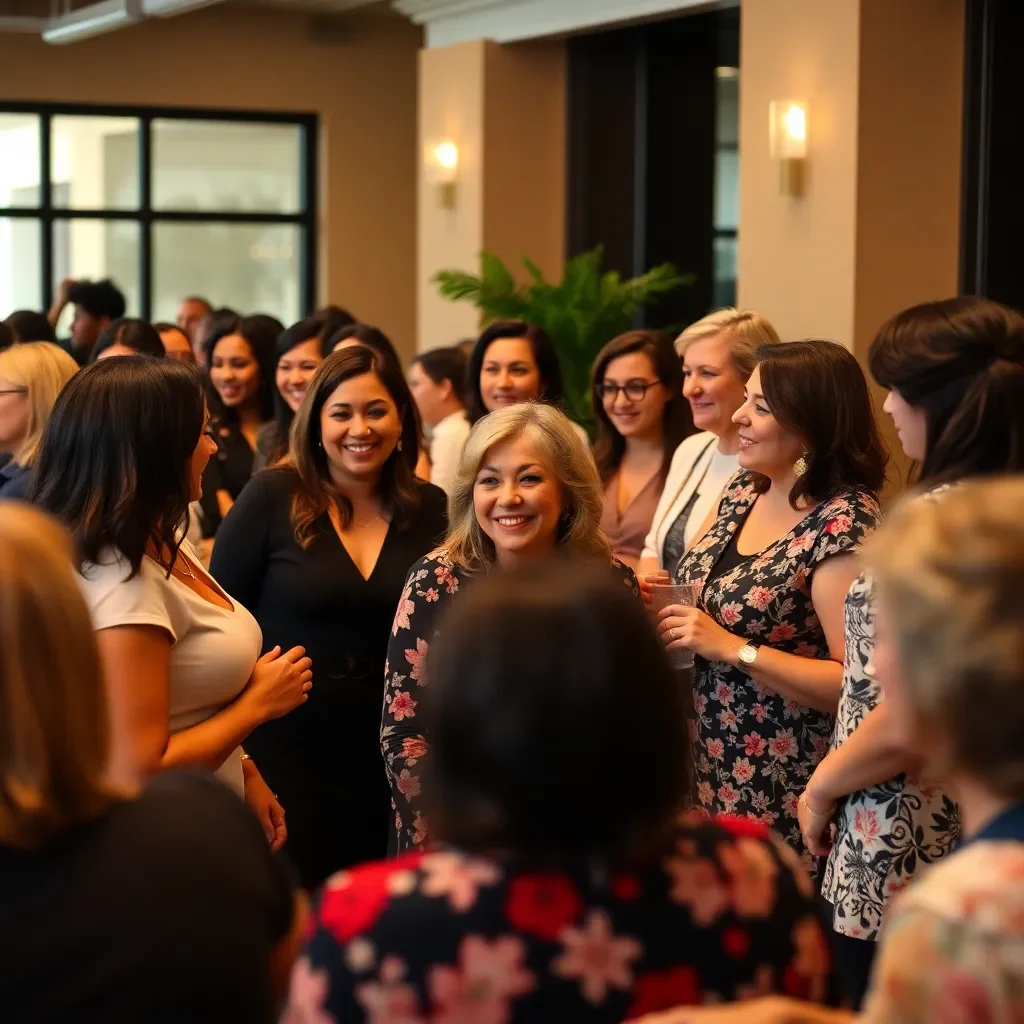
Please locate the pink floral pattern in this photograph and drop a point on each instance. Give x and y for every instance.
(453, 938)
(754, 749)
(433, 584)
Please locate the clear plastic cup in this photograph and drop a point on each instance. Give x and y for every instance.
(665, 594)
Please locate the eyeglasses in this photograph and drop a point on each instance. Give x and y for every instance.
(15, 391)
(634, 390)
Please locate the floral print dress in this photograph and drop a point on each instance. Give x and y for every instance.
(725, 913)
(432, 585)
(754, 749)
(885, 833)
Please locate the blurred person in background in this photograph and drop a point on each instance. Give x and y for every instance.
(128, 337)
(140, 877)
(527, 491)
(176, 342)
(298, 353)
(240, 364)
(565, 887)
(319, 548)
(122, 456)
(28, 325)
(435, 380)
(642, 419)
(191, 313)
(97, 305)
(31, 378)
(209, 323)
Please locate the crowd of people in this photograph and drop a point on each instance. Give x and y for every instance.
(283, 620)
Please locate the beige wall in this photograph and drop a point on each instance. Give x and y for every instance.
(878, 229)
(504, 107)
(362, 86)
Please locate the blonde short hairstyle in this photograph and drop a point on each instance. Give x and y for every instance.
(53, 711)
(748, 331)
(950, 580)
(567, 456)
(43, 368)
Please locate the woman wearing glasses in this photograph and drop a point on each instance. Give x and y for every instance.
(642, 418)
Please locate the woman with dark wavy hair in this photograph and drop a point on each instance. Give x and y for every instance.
(319, 548)
(773, 571)
(121, 458)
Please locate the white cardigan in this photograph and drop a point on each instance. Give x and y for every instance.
(689, 464)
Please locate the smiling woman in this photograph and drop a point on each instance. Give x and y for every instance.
(319, 547)
(526, 491)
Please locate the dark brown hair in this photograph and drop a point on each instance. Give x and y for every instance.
(676, 421)
(817, 391)
(533, 671)
(399, 491)
(961, 361)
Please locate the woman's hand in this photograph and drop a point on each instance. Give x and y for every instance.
(279, 683)
(264, 805)
(680, 626)
(815, 818)
(647, 579)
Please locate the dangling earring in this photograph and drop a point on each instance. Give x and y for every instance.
(399, 444)
(800, 466)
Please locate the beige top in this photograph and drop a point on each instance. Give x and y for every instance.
(213, 650)
(628, 531)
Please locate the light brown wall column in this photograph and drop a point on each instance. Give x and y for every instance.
(504, 107)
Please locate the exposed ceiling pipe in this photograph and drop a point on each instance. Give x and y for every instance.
(98, 18)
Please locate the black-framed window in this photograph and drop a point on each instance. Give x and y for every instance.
(168, 202)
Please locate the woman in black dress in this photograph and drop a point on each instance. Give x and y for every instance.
(774, 569)
(318, 548)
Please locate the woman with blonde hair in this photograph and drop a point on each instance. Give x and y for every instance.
(718, 356)
(180, 863)
(318, 547)
(526, 491)
(31, 378)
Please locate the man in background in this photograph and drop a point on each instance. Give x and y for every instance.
(97, 305)
(191, 313)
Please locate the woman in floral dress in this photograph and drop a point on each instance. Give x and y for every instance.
(955, 375)
(562, 887)
(773, 570)
(526, 490)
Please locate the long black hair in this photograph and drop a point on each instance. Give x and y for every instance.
(373, 337)
(961, 361)
(114, 462)
(544, 355)
(138, 335)
(260, 333)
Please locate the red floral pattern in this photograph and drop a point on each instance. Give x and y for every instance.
(449, 938)
(754, 749)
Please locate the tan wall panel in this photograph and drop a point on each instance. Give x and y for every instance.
(796, 256)
(363, 88)
(525, 180)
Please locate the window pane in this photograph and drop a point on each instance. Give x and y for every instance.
(253, 268)
(19, 160)
(725, 271)
(96, 249)
(227, 166)
(727, 190)
(20, 266)
(94, 163)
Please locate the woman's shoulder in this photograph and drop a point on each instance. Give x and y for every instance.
(624, 574)
(854, 512)
(434, 499)
(436, 564)
(689, 451)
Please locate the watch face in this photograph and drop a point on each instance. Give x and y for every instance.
(748, 654)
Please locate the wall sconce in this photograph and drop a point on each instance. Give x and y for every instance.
(442, 168)
(788, 144)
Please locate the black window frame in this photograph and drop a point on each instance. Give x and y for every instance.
(45, 213)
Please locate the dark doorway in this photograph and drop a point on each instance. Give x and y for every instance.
(653, 162)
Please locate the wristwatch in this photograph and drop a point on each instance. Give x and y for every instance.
(747, 655)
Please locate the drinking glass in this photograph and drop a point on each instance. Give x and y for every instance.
(665, 594)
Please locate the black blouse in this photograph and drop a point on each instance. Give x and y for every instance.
(323, 760)
(228, 470)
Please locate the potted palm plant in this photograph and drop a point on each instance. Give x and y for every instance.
(581, 313)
